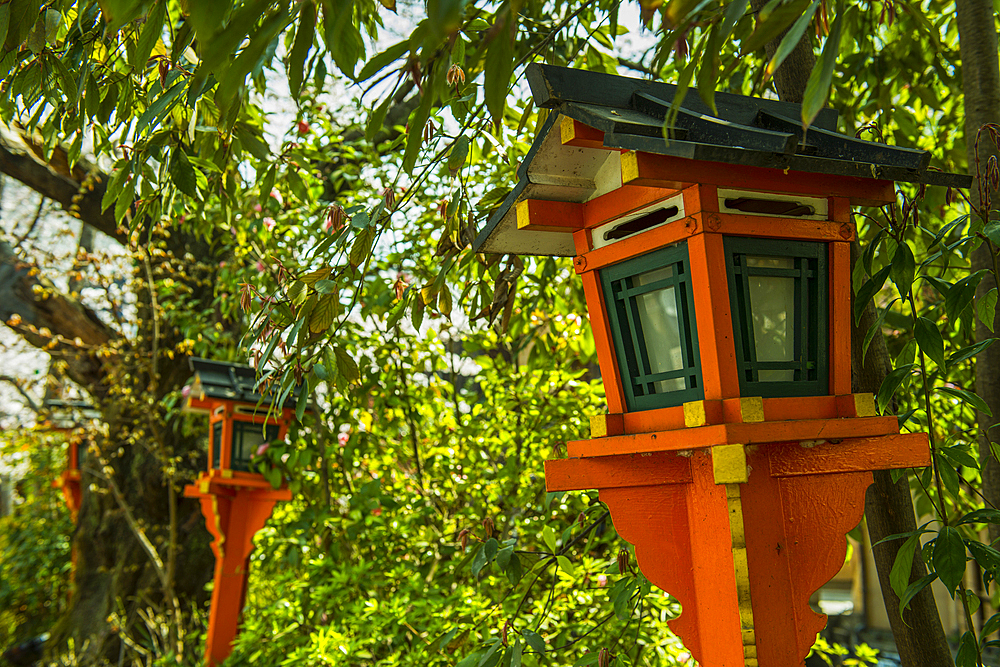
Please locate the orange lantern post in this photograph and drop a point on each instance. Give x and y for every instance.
(235, 500)
(716, 268)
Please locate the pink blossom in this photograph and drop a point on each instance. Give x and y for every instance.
(269, 223)
(377, 511)
(222, 265)
(342, 439)
(258, 208)
(186, 390)
(263, 448)
(260, 267)
(277, 197)
(602, 580)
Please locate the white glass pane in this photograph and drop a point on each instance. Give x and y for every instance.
(772, 307)
(661, 328)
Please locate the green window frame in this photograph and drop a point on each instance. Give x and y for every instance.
(654, 376)
(247, 437)
(765, 266)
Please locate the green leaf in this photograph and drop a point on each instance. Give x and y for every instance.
(929, 339)
(818, 87)
(622, 600)
(415, 136)
(251, 139)
(869, 289)
(875, 329)
(479, 562)
(987, 557)
(708, 73)
(969, 352)
(890, 384)
(790, 40)
(991, 626)
(948, 474)
(150, 33)
(160, 107)
(498, 67)
(960, 456)
(949, 558)
(235, 74)
(503, 555)
(66, 81)
(772, 24)
(913, 589)
(459, 153)
(899, 576)
(566, 566)
(382, 60)
(4, 23)
(536, 642)
(967, 656)
(974, 400)
(183, 174)
(324, 314)
(516, 651)
(302, 402)
(982, 515)
(513, 570)
(986, 307)
(320, 371)
(347, 366)
(735, 10)
(549, 537)
(903, 268)
(343, 40)
(362, 247)
(300, 48)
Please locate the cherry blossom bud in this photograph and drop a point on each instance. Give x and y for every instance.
(489, 527)
(389, 197)
(336, 218)
(463, 538)
(302, 127)
(623, 558)
(429, 130)
(399, 287)
(455, 76)
(164, 70)
(262, 449)
(603, 657)
(993, 173)
(602, 580)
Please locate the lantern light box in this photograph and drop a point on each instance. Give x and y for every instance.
(235, 500)
(716, 269)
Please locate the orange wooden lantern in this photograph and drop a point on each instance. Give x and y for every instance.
(68, 416)
(716, 267)
(235, 500)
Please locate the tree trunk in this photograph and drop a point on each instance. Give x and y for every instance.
(981, 88)
(920, 639)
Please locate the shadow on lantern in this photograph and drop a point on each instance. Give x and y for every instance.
(235, 499)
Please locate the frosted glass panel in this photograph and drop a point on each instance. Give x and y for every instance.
(661, 328)
(772, 305)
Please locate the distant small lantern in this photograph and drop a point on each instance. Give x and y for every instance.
(235, 499)
(69, 416)
(240, 420)
(716, 268)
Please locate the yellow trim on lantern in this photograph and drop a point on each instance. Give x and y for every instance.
(598, 426)
(630, 166)
(567, 132)
(741, 569)
(694, 414)
(522, 214)
(729, 465)
(752, 409)
(864, 405)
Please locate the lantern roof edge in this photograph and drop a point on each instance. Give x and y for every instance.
(630, 114)
(232, 382)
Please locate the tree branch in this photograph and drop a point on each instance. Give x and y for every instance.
(57, 182)
(53, 322)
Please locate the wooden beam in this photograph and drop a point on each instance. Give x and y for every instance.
(898, 450)
(608, 472)
(748, 434)
(539, 215)
(667, 171)
(574, 133)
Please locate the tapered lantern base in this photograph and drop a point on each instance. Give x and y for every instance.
(234, 509)
(741, 535)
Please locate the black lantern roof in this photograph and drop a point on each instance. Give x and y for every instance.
(631, 114)
(230, 382)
